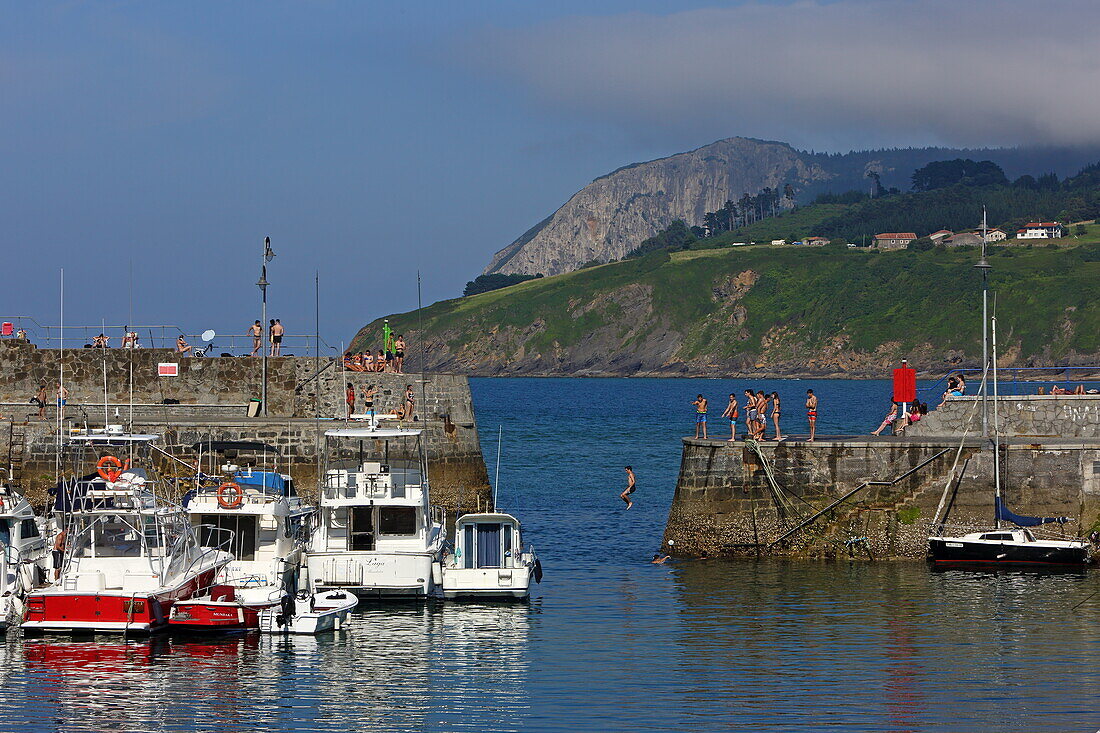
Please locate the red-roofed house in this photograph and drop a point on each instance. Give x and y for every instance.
(995, 235)
(816, 241)
(894, 240)
(942, 234)
(1041, 230)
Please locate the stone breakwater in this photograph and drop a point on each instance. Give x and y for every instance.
(213, 396)
(725, 504)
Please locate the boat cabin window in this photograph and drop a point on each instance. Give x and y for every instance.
(28, 528)
(397, 520)
(215, 533)
(997, 536)
(5, 533)
(361, 528)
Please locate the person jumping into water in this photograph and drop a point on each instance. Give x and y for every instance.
(631, 487)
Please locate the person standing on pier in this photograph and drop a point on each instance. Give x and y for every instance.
(775, 415)
(631, 487)
(700, 416)
(277, 332)
(399, 354)
(410, 403)
(811, 412)
(350, 399)
(257, 333)
(387, 344)
(730, 413)
(40, 398)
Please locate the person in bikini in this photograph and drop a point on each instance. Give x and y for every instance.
(350, 399)
(731, 414)
(368, 400)
(399, 354)
(775, 415)
(380, 362)
(410, 403)
(631, 487)
(811, 412)
(700, 416)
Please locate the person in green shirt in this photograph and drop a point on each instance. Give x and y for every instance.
(387, 344)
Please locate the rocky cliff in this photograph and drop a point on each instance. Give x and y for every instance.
(615, 213)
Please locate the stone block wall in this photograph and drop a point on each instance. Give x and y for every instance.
(1075, 416)
(724, 504)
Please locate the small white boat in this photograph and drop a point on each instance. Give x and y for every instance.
(23, 554)
(489, 560)
(309, 614)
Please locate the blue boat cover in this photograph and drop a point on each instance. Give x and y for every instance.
(1004, 514)
(266, 479)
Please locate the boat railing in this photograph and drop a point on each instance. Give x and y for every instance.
(397, 483)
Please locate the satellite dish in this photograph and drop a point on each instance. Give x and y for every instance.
(208, 335)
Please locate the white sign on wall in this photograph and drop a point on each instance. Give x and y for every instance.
(168, 369)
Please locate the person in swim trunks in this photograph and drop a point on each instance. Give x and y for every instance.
(731, 413)
(811, 412)
(700, 416)
(750, 413)
(399, 354)
(631, 487)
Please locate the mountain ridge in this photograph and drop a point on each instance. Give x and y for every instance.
(611, 214)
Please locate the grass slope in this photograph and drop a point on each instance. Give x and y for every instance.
(1045, 297)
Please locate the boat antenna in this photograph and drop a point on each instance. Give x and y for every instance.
(130, 320)
(344, 376)
(996, 427)
(423, 353)
(60, 378)
(106, 417)
(496, 479)
(317, 374)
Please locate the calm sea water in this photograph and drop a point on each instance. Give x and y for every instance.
(610, 641)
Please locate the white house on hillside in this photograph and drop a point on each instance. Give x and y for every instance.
(1041, 230)
(995, 235)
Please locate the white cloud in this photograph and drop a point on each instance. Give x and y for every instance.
(980, 72)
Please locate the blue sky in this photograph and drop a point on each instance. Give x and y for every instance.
(370, 140)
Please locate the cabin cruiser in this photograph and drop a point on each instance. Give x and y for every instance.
(269, 525)
(23, 554)
(127, 553)
(377, 533)
(488, 559)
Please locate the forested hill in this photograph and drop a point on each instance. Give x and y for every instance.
(767, 310)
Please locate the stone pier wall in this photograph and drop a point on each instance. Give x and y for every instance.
(1076, 416)
(213, 396)
(725, 505)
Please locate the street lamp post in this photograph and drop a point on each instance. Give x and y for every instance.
(262, 283)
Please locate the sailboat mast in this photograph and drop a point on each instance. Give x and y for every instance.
(996, 432)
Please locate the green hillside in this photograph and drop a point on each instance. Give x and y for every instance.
(779, 309)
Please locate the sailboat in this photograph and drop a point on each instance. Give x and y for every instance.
(1013, 544)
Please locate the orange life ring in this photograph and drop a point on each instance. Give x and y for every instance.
(108, 474)
(230, 495)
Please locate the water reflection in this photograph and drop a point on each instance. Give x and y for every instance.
(451, 667)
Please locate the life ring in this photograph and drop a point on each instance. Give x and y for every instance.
(230, 495)
(109, 474)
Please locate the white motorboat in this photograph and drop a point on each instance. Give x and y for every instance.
(489, 560)
(23, 554)
(377, 534)
(269, 523)
(129, 553)
(309, 613)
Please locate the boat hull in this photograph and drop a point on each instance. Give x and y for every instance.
(216, 616)
(325, 611)
(55, 611)
(958, 551)
(373, 575)
(487, 583)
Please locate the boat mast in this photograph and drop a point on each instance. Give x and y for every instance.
(996, 436)
(985, 267)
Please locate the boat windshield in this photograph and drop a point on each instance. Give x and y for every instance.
(128, 535)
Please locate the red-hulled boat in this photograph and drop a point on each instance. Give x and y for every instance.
(225, 609)
(127, 553)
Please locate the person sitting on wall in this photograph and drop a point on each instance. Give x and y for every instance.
(1055, 389)
(1080, 389)
(100, 341)
(182, 347)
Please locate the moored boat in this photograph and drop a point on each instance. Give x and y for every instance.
(377, 533)
(309, 613)
(489, 560)
(269, 524)
(127, 552)
(23, 554)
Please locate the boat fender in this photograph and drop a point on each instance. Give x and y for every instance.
(537, 571)
(111, 474)
(230, 495)
(437, 573)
